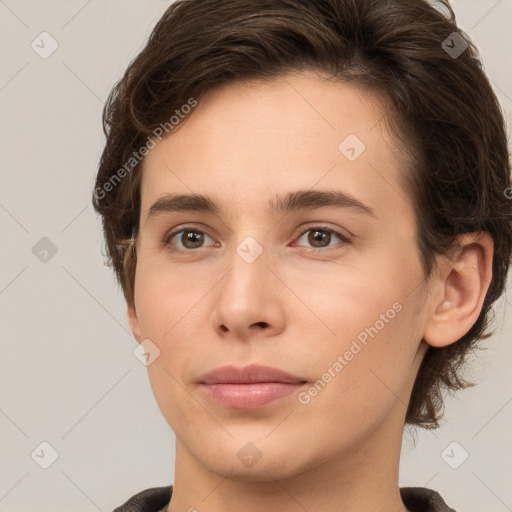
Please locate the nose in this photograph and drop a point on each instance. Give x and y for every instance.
(249, 300)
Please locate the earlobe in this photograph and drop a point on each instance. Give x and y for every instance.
(461, 287)
(133, 321)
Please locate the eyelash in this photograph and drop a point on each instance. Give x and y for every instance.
(345, 239)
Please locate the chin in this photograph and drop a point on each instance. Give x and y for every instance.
(243, 461)
(262, 471)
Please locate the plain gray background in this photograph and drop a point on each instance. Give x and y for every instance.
(68, 376)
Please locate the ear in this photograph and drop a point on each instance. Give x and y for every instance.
(133, 321)
(459, 289)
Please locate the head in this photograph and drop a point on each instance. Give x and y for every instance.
(245, 102)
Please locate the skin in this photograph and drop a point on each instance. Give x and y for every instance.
(291, 308)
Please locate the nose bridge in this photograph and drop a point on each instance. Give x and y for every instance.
(250, 249)
(245, 295)
(248, 266)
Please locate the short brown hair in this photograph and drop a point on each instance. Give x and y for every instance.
(442, 108)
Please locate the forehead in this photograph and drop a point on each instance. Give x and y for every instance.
(246, 141)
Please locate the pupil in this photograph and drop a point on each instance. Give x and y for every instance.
(193, 237)
(322, 234)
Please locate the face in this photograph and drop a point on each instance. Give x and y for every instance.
(327, 288)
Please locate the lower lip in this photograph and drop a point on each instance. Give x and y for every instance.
(249, 396)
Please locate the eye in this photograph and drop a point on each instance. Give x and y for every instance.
(191, 238)
(321, 236)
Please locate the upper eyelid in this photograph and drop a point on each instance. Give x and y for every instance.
(345, 238)
(173, 232)
(319, 225)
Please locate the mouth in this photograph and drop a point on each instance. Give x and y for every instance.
(251, 387)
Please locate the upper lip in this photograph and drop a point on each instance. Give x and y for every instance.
(250, 374)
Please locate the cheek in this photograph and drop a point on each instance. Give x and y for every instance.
(372, 363)
(364, 360)
(173, 316)
(167, 300)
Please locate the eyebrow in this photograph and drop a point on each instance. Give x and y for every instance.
(293, 201)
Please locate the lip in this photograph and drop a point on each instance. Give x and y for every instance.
(250, 374)
(251, 387)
